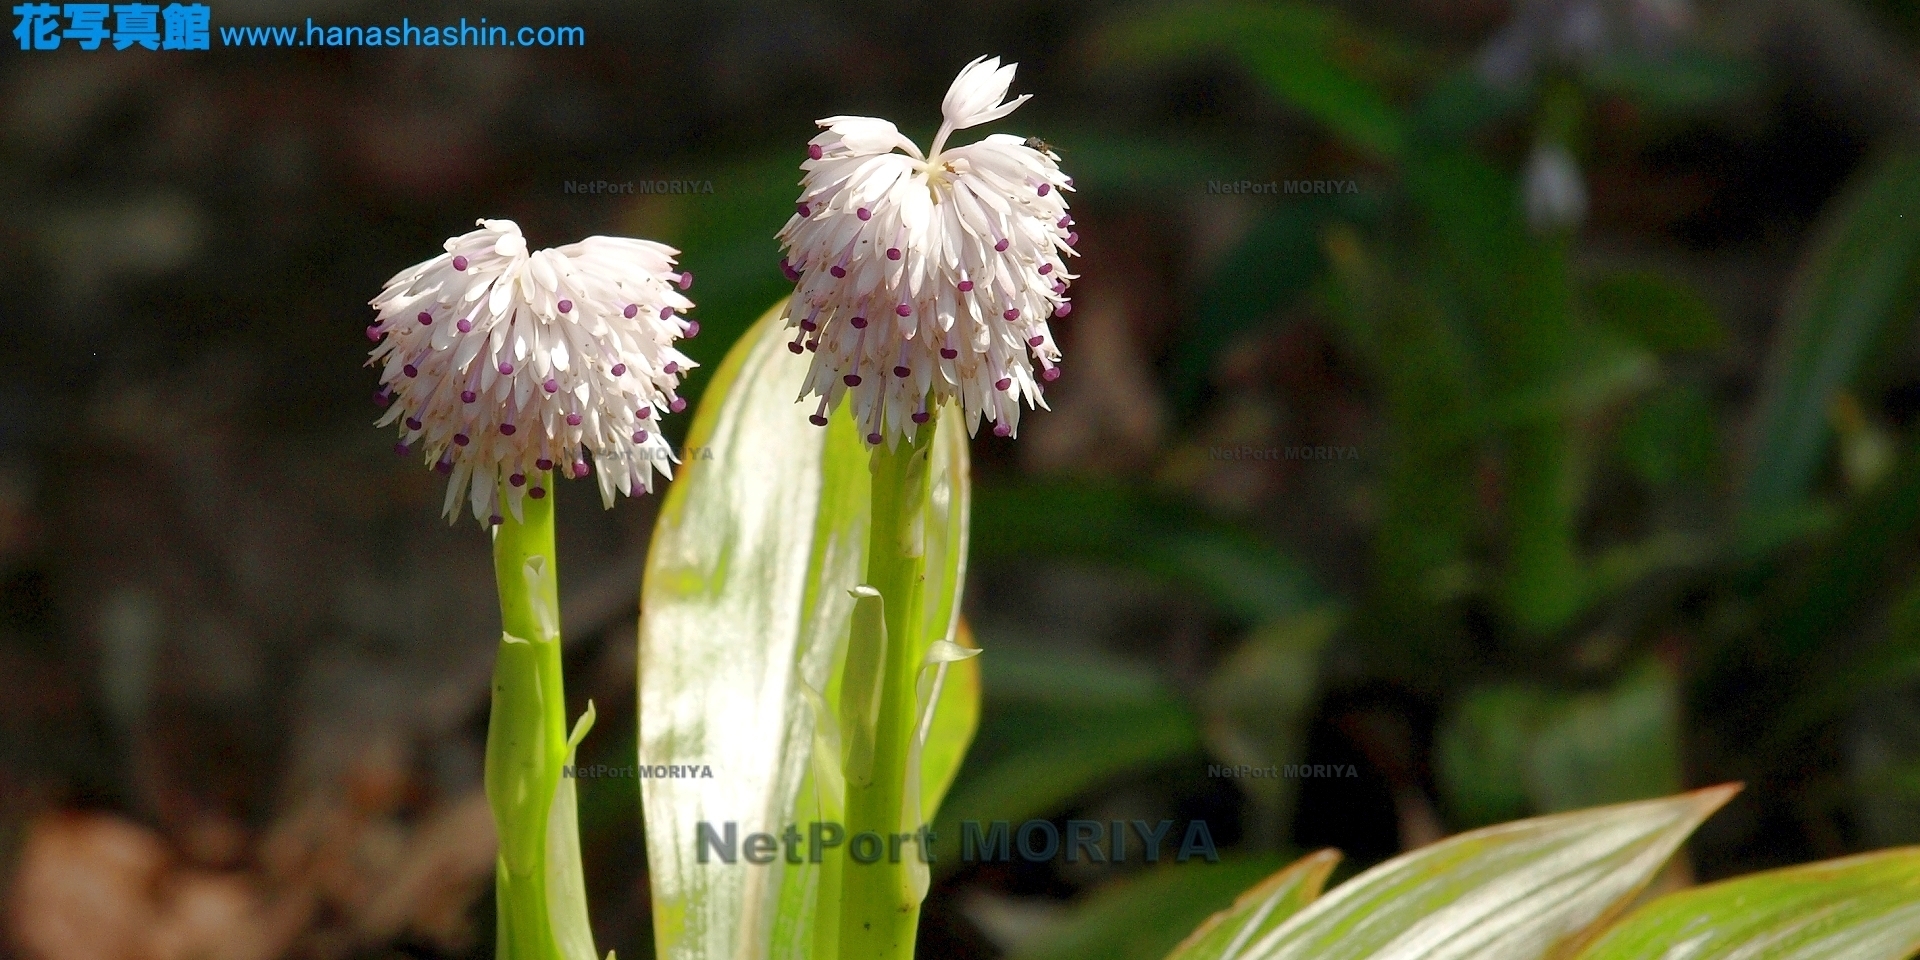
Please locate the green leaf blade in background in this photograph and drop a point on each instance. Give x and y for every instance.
(745, 607)
(1519, 891)
(1859, 908)
(1861, 279)
(1263, 907)
(1141, 917)
(1305, 55)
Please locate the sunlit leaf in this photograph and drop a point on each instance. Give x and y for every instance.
(1518, 891)
(1260, 909)
(1859, 908)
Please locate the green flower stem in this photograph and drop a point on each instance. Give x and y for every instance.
(526, 732)
(879, 912)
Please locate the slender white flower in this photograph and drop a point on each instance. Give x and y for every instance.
(923, 279)
(1554, 192)
(501, 364)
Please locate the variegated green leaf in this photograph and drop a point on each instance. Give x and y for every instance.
(1859, 908)
(1266, 905)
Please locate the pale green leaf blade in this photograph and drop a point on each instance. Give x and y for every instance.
(1859, 908)
(738, 608)
(1260, 909)
(1140, 916)
(1518, 891)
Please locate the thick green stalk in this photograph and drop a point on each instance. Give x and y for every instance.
(526, 732)
(879, 910)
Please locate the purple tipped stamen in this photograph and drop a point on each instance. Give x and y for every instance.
(686, 280)
(461, 439)
(922, 417)
(966, 285)
(402, 449)
(903, 372)
(851, 379)
(643, 412)
(468, 396)
(1036, 340)
(1013, 313)
(373, 332)
(666, 313)
(693, 329)
(859, 323)
(904, 310)
(874, 439)
(1002, 430)
(518, 479)
(551, 386)
(413, 423)
(817, 420)
(1073, 238)
(803, 210)
(813, 151)
(1004, 383)
(838, 271)
(506, 369)
(1000, 246)
(537, 493)
(507, 429)
(460, 263)
(425, 318)
(464, 326)
(1063, 309)
(678, 404)
(639, 436)
(1046, 268)
(673, 366)
(619, 369)
(573, 419)
(543, 464)
(410, 370)
(564, 306)
(948, 353)
(863, 213)
(1044, 188)
(632, 310)
(893, 253)
(1050, 374)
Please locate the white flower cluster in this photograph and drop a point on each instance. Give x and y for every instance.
(923, 279)
(503, 364)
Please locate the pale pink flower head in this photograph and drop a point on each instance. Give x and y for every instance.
(500, 364)
(928, 278)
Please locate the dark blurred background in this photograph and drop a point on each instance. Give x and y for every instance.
(1553, 445)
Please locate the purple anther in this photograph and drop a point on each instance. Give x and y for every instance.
(902, 372)
(461, 440)
(632, 310)
(1036, 340)
(639, 436)
(686, 279)
(1044, 188)
(1046, 268)
(464, 325)
(795, 347)
(904, 310)
(402, 449)
(813, 151)
(803, 210)
(543, 464)
(859, 323)
(573, 419)
(693, 329)
(1065, 307)
(817, 420)
(445, 466)
(1001, 246)
(673, 366)
(874, 438)
(838, 271)
(564, 306)
(1002, 430)
(1004, 383)
(922, 417)
(507, 429)
(425, 318)
(1073, 237)
(863, 213)
(666, 313)
(966, 285)
(468, 396)
(506, 368)
(518, 479)
(948, 353)
(678, 404)
(851, 379)
(1051, 374)
(413, 423)
(410, 370)
(496, 520)
(1013, 313)
(619, 369)
(373, 332)
(551, 386)
(643, 412)
(893, 253)
(580, 469)
(460, 263)
(537, 493)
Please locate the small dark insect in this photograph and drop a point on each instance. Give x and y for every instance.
(1035, 143)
